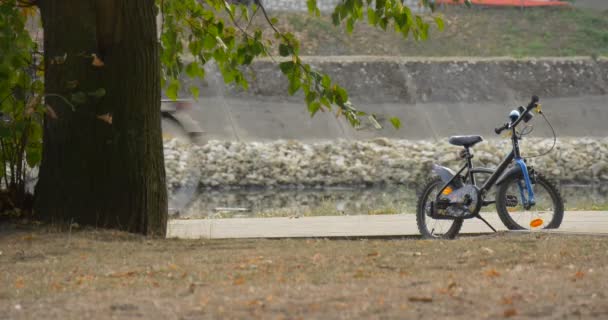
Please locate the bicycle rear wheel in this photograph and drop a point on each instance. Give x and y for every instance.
(434, 228)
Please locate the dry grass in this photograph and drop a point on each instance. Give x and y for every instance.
(106, 274)
(475, 32)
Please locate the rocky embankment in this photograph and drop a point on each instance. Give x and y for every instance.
(356, 163)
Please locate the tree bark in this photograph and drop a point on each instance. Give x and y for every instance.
(94, 172)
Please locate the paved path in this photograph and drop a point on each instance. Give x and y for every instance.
(593, 222)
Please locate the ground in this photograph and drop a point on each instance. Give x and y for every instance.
(112, 275)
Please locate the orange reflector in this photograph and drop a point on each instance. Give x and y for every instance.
(447, 190)
(536, 223)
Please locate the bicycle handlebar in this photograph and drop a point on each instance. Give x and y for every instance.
(508, 125)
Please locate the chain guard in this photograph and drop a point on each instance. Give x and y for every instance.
(464, 203)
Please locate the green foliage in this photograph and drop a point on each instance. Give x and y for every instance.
(196, 32)
(20, 100)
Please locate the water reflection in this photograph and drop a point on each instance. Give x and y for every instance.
(255, 203)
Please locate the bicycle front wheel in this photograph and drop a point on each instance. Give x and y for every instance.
(547, 213)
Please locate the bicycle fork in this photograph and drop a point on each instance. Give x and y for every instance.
(530, 201)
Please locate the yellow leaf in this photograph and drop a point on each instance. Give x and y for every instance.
(510, 313)
(492, 273)
(28, 11)
(579, 275)
(106, 118)
(96, 61)
(239, 281)
(420, 299)
(19, 283)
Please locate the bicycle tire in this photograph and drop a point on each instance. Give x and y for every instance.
(507, 217)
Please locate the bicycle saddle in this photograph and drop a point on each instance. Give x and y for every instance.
(465, 141)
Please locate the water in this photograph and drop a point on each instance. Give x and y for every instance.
(256, 203)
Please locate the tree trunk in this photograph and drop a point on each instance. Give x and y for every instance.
(94, 172)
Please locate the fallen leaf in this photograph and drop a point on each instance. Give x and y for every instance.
(19, 283)
(579, 275)
(420, 299)
(511, 312)
(239, 281)
(492, 273)
(373, 254)
(106, 118)
(173, 266)
(256, 302)
(96, 61)
(122, 274)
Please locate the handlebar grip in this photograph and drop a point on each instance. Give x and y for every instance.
(501, 129)
(532, 103)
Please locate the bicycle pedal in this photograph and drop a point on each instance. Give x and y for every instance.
(511, 201)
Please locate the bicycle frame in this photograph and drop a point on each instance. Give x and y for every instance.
(513, 155)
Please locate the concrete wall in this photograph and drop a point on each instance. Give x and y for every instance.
(300, 5)
(410, 80)
(434, 98)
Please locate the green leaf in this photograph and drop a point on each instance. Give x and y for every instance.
(194, 70)
(440, 24)
(396, 122)
(172, 89)
(33, 155)
(312, 6)
(326, 82)
(287, 67)
(194, 90)
(313, 108)
(97, 93)
(5, 132)
(350, 25)
(79, 97)
(284, 50)
(294, 85)
(342, 94)
(371, 16)
(209, 42)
